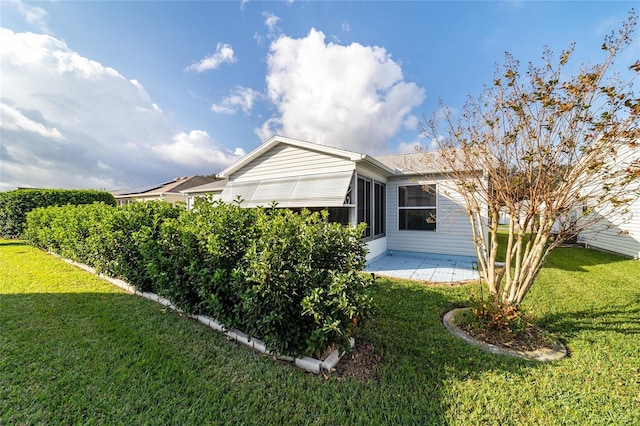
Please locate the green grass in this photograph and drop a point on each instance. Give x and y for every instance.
(76, 350)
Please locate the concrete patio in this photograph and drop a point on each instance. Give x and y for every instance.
(419, 267)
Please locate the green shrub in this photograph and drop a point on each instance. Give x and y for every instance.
(14, 205)
(134, 227)
(303, 289)
(107, 238)
(200, 250)
(74, 232)
(290, 279)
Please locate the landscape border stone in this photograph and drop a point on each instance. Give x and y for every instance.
(309, 364)
(558, 352)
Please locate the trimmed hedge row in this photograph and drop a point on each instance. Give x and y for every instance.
(290, 279)
(14, 205)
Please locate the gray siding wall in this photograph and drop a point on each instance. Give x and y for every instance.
(287, 161)
(453, 234)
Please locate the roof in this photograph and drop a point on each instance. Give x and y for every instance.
(276, 140)
(174, 186)
(215, 186)
(417, 162)
(423, 162)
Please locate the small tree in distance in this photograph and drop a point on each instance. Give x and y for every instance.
(551, 147)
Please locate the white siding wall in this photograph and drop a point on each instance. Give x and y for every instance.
(371, 172)
(287, 161)
(453, 234)
(376, 248)
(618, 233)
(191, 199)
(616, 236)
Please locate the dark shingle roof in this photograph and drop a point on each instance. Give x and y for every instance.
(174, 186)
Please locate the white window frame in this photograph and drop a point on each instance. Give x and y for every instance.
(434, 207)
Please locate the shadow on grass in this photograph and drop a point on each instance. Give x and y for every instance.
(420, 357)
(624, 320)
(78, 350)
(12, 243)
(98, 358)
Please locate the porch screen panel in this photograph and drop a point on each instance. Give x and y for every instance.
(321, 190)
(244, 190)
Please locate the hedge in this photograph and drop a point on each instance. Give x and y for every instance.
(105, 237)
(14, 205)
(290, 279)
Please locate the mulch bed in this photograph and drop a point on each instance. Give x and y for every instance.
(530, 339)
(363, 364)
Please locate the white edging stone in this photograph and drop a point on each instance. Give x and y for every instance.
(311, 365)
(259, 346)
(334, 357)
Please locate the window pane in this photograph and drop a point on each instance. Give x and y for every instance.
(379, 209)
(364, 204)
(360, 202)
(336, 214)
(417, 196)
(339, 215)
(417, 219)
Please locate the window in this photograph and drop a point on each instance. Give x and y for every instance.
(336, 214)
(370, 206)
(379, 205)
(417, 207)
(364, 204)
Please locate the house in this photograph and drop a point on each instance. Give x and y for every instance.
(211, 189)
(618, 230)
(407, 201)
(168, 191)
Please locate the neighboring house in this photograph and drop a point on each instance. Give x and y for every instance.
(168, 191)
(619, 230)
(406, 200)
(211, 189)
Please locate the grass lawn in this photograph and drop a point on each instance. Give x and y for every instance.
(76, 350)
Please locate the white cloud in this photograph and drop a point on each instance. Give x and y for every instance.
(411, 123)
(346, 27)
(13, 119)
(352, 96)
(240, 97)
(224, 54)
(34, 15)
(195, 149)
(271, 21)
(68, 121)
(409, 147)
(419, 144)
(103, 166)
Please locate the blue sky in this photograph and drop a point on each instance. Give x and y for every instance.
(123, 94)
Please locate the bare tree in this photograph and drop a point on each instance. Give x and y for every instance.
(551, 147)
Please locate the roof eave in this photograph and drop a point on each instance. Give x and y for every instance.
(377, 164)
(201, 191)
